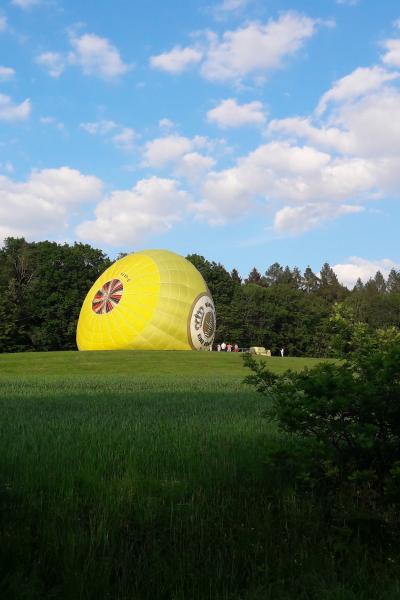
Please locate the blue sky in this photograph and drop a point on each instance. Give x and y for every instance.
(244, 130)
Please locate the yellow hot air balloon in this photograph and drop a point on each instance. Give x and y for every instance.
(150, 300)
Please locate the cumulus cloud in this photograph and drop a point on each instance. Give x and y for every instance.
(356, 84)
(299, 219)
(281, 173)
(374, 123)
(192, 166)
(256, 48)
(152, 206)
(53, 62)
(327, 137)
(168, 149)
(6, 73)
(368, 127)
(362, 268)
(229, 113)
(13, 112)
(251, 50)
(176, 60)
(316, 170)
(392, 55)
(42, 204)
(97, 56)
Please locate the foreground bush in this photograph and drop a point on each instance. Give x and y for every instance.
(344, 423)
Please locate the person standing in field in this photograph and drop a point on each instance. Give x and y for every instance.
(236, 348)
(229, 347)
(223, 346)
(219, 347)
(282, 352)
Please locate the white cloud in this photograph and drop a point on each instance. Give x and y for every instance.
(165, 150)
(256, 48)
(13, 112)
(98, 127)
(354, 85)
(26, 4)
(229, 113)
(322, 137)
(299, 219)
(176, 60)
(166, 124)
(96, 56)
(373, 123)
(54, 62)
(392, 56)
(93, 54)
(278, 172)
(252, 50)
(152, 206)
(6, 73)
(192, 166)
(362, 268)
(42, 204)
(125, 138)
(368, 127)
(3, 23)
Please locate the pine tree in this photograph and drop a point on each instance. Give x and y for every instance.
(254, 277)
(393, 281)
(311, 282)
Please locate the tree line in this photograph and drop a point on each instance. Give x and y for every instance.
(43, 285)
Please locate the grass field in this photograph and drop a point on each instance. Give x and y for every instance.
(144, 475)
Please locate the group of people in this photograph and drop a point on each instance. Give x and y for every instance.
(227, 347)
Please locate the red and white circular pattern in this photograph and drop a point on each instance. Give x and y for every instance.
(107, 298)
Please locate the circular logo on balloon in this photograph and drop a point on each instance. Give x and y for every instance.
(201, 324)
(108, 296)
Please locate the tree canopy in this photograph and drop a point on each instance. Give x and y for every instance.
(43, 285)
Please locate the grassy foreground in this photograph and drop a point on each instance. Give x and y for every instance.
(144, 475)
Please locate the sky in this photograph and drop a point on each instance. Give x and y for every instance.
(247, 131)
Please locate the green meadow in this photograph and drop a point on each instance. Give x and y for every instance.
(145, 475)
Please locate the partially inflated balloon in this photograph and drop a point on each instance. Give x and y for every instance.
(151, 300)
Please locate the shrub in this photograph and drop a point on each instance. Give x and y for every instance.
(344, 421)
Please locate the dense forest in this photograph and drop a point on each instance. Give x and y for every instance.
(43, 284)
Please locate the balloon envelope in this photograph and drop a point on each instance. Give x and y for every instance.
(150, 300)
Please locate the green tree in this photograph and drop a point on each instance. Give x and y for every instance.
(345, 422)
(310, 281)
(43, 285)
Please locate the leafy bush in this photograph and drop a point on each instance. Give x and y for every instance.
(344, 423)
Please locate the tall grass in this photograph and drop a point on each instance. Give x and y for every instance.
(145, 476)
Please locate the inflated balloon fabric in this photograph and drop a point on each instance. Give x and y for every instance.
(150, 300)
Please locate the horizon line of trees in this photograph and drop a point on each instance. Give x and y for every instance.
(43, 285)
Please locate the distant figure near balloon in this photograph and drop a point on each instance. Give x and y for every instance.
(150, 300)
